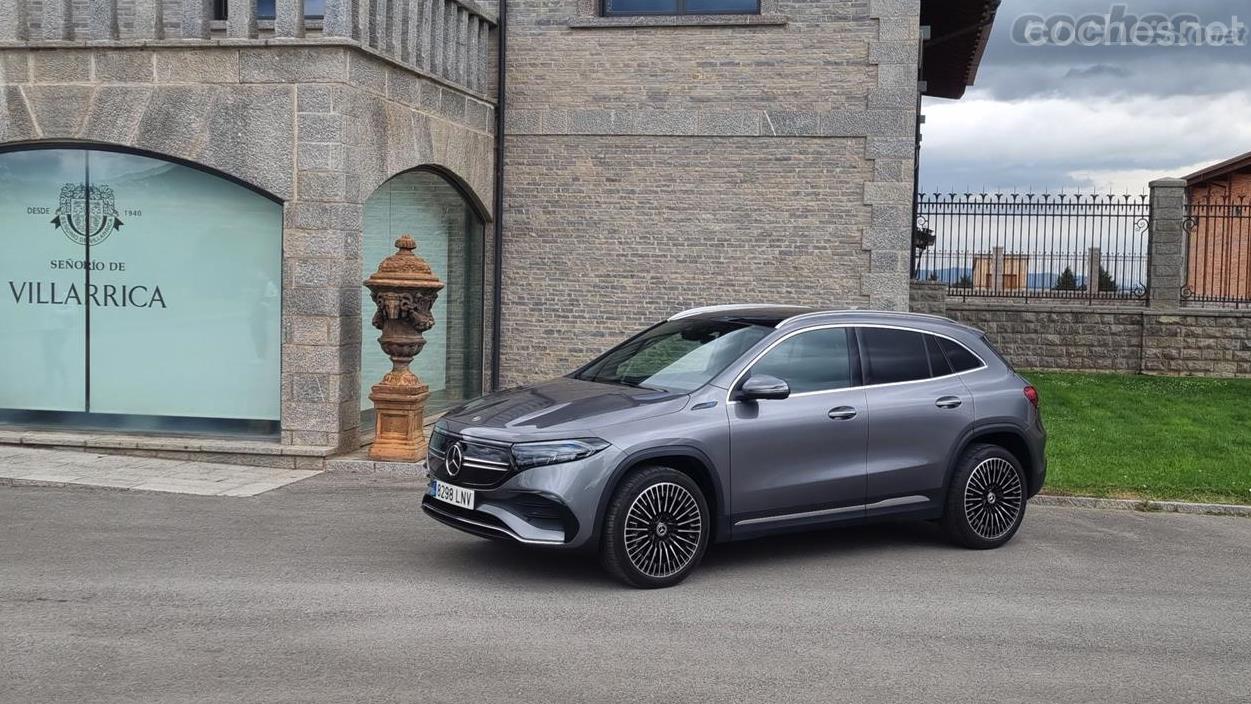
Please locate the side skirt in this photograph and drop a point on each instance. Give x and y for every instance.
(912, 507)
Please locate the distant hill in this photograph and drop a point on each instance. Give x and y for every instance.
(1036, 281)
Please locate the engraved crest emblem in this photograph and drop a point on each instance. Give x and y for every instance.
(86, 222)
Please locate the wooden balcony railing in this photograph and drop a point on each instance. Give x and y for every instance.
(449, 39)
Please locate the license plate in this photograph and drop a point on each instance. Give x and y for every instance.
(450, 494)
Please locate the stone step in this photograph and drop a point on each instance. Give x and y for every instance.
(359, 463)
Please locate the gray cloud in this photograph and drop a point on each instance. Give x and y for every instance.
(1079, 117)
(1013, 71)
(1099, 71)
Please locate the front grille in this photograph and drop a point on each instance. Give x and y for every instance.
(484, 465)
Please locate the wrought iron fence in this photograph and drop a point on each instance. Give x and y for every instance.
(1027, 245)
(1218, 253)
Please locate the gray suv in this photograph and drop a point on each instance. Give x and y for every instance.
(734, 422)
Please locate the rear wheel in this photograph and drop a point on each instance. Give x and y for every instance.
(656, 528)
(986, 500)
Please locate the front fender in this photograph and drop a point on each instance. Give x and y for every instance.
(639, 457)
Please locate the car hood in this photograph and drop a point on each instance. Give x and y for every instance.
(556, 408)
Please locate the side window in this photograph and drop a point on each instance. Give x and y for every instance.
(894, 355)
(938, 361)
(679, 7)
(818, 360)
(961, 359)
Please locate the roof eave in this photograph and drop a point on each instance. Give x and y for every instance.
(1215, 171)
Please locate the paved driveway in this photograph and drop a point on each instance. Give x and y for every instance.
(333, 590)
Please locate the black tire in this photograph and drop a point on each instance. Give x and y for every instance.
(663, 511)
(987, 498)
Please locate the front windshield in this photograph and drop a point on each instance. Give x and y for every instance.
(679, 355)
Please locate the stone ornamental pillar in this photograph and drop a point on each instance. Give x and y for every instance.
(404, 289)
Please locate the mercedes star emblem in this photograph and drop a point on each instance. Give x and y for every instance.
(455, 459)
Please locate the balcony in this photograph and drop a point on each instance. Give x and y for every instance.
(449, 40)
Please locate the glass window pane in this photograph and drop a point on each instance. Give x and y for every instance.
(961, 359)
(265, 9)
(678, 355)
(185, 316)
(42, 281)
(641, 6)
(894, 355)
(744, 6)
(938, 361)
(810, 361)
(450, 236)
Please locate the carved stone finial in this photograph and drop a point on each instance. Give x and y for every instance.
(404, 290)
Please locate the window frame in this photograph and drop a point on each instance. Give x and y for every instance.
(854, 369)
(680, 11)
(858, 357)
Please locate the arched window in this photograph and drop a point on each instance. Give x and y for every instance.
(449, 235)
(136, 293)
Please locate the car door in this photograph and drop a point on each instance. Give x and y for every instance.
(917, 409)
(801, 458)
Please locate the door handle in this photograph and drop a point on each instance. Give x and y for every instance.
(949, 402)
(842, 413)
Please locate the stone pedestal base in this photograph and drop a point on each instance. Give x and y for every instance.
(400, 411)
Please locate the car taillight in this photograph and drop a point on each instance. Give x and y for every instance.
(1032, 394)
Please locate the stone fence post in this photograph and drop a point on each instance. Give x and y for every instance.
(1094, 265)
(1167, 243)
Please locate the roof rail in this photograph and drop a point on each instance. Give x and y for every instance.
(729, 308)
(865, 311)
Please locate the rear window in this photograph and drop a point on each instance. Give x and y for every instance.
(960, 358)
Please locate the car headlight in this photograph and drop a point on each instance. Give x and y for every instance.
(538, 454)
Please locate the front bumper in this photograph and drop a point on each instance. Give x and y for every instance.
(554, 506)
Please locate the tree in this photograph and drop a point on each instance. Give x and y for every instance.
(1067, 281)
(965, 281)
(1107, 284)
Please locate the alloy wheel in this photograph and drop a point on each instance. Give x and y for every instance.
(663, 529)
(993, 498)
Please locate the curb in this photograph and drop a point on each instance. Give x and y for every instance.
(1145, 505)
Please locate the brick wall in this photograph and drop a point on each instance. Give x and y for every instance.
(1218, 248)
(659, 163)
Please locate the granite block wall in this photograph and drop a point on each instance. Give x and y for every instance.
(1183, 342)
(659, 163)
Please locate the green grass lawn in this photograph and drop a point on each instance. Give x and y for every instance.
(1147, 437)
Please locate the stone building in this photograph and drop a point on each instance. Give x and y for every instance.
(192, 191)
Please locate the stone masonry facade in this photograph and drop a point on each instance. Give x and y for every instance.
(319, 127)
(658, 163)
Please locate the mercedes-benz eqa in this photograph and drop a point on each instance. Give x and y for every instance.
(734, 422)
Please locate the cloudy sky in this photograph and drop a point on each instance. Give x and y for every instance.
(1102, 117)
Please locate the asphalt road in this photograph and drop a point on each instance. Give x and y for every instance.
(335, 590)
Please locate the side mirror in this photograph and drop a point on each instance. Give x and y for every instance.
(762, 387)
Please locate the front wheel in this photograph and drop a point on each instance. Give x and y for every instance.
(656, 528)
(986, 500)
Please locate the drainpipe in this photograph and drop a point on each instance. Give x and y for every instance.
(916, 157)
(498, 242)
